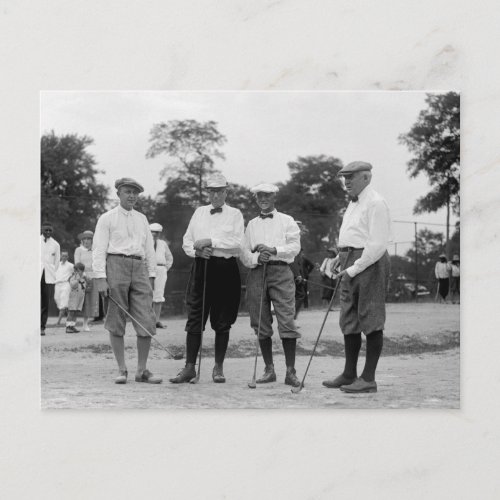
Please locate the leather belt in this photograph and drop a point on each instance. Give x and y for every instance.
(158, 264)
(349, 249)
(277, 263)
(136, 257)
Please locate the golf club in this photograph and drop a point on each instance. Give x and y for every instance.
(315, 283)
(296, 390)
(252, 384)
(197, 378)
(174, 356)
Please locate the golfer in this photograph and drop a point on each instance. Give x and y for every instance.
(213, 239)
(123, 258)
(272, 238)
(164, 261)
(363, 239)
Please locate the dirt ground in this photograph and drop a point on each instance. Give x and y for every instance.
(419, 368)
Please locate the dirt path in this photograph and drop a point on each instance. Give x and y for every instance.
(419, 368)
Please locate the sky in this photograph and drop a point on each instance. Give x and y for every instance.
(264, 131)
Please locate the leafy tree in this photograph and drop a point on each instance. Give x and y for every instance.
(71, 198)
(315, 195)
(430, 245)
(192, 147)
(435, 141)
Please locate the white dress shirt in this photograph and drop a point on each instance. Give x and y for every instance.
(50, 258)
(367, 225)
(163, 254)
(64, 272)
(326, 267)
(126, 232)
(442, 270)
(281, 232)
(225, 229)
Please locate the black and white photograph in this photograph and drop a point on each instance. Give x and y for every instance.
(250, 249)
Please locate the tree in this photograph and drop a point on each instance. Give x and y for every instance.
(435, 141)
(315, 195)
(430, 245)
(71, 198)
(192, 147)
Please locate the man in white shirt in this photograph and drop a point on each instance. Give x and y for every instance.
(62, 286)
(442, 272)
(272, 238)
(164, 261)
(123, 257)
(50, 257)
(213, 239)
(363, 239)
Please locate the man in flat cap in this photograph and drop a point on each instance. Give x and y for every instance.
(164, 261)
(363, 239)
(123, 259)
(272, 238)
(50, 257)
(213, 239)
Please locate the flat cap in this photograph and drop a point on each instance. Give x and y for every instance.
(264, 188)
(85, 234)
(128, 181)
(217, 181)
(456, 257)
(442, 256)
(355, 166)
(155, 227)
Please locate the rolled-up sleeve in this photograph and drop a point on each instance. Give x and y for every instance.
(188, 239)
(100, 247)
(379, 225)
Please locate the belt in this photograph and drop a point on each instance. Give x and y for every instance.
(349, 249)
(161, 264)
(136, 257)
(277, 263)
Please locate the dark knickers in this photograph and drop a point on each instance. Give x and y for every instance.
(362, 298)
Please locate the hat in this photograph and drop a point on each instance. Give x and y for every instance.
(264, 188)
(217, 181)
(355, 166)
(299, 222)
(46, 224)
(456, 257)
(442, 256)
(155, 227)
(128, 181)
(85, 234)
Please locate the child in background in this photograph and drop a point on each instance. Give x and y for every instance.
(77, 282)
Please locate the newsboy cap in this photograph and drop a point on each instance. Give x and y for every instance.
(85, 234)
(264, 188)
(128, 181)
(155, 227)
(355, 166)
(217, 181)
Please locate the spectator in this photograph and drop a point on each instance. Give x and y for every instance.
(442, 272)
(455, 280)
(301, 268)
(164, 261)
(78, 283)
(83, 254)
(50, 257)
(328, 276)
(62, 287)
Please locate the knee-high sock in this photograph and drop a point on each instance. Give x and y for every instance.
(289, 346)
(193, 341)
(374, 343)
(221, 341)
(266, 347)
(352, 345)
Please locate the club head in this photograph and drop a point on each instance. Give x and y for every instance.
(195, 380)
(178, 356)
(252, 384)
(296, 390)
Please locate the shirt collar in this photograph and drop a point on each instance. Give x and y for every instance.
(211, 207)
(124, 212)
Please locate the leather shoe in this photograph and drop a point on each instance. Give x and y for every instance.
(291, 378)
(122, 378)
(159, 324)
(71, 329)
(269, 375)
(360, 385)
(338, 381)
(147, 377)
(185, 375)
(218, 375)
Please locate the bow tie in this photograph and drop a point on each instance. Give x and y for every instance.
(215, 210)
(354, 199)
(266, 216)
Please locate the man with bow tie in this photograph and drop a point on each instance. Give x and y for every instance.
(363, 239)
(272, 238)
(213, 239)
